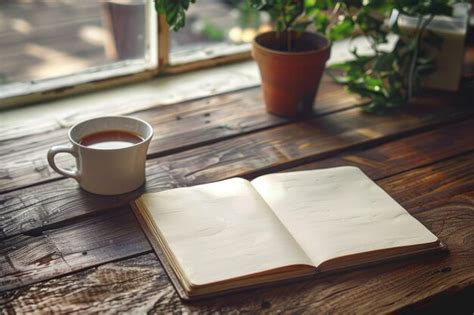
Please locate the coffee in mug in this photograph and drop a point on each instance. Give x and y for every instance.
(110, 154)
(110, 139)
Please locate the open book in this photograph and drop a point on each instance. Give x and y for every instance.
(234, 233)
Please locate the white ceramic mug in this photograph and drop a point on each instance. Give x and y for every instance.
(106, 171)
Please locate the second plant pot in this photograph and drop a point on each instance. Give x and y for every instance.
(290, 79)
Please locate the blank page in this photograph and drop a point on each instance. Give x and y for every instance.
(222, 230)
(339, 211)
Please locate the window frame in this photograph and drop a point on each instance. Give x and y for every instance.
(119, 73)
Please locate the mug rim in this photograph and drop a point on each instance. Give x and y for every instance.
(145, 140)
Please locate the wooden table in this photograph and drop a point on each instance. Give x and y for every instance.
(63, 249)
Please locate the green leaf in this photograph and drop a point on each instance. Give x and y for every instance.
(384, 62)
(174, 11)
(301, 26)
(323, 4)
(280, 26)
(321, 22)
(342, 29)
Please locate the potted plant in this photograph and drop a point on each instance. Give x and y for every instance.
(426, 51)
(385, 78)
(291, 61)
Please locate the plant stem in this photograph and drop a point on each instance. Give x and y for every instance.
(300, 6)
(419, 33)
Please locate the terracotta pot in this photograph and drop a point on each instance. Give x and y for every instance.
(290, 80)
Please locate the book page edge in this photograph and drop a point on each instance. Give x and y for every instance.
(159, 253)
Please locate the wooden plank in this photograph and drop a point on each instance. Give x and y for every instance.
(442, 182)
(406, 154)
(40, 206)
(70, 248)
(292, 145)
(45, 206)
(432, 183)
(331, 95)
(143, 287)
(177, 127)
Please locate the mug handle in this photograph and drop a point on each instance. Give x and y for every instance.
(62, 149)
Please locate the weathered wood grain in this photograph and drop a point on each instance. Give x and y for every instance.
(427, 185)
(430, 173)
(40, 206)
(24, 161)
(47, 205)
(331, 97)
(139, 284)
(60, 251)
(177, 127)
(407, 153)
(295, 144)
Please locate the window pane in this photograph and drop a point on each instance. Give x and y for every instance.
(216, 27)
(43, 39)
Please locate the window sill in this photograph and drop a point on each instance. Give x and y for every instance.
(126, 99)
(162, 90)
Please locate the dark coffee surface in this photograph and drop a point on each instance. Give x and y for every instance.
(110, 139)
